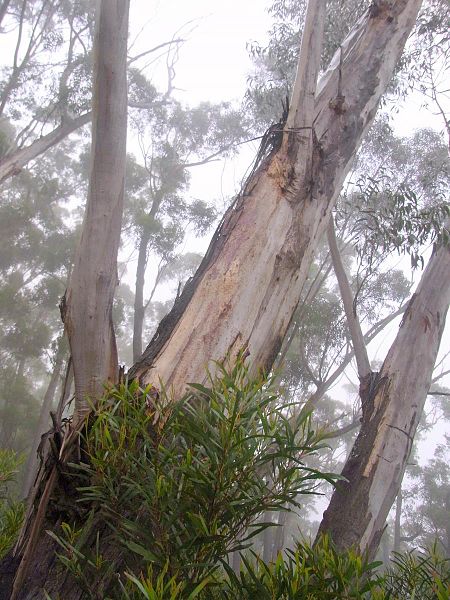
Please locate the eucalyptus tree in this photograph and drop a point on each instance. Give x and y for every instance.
(426, 503)
(247, 288)
(45, 84)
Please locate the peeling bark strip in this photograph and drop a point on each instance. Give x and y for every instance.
(89, 297)
(250, 281)
(374, 470)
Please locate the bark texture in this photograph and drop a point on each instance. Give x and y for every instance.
(44, 419)
(89, 297)
(249, 283)
(374, 470)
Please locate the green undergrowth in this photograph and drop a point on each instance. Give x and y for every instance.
(11, 510)
(168, 490)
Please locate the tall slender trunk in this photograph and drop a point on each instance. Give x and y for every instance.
(44, 419)
(280, 534)
(7, 430)
(87, 306)
(268, 539)
(394, 403)
(90, 294)
(139, 308)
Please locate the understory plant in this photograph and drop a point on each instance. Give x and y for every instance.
(177, 486)
(11, 510)
(167, 490)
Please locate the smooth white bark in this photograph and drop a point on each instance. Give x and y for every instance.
(90, 294)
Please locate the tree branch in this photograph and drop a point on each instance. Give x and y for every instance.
(12, 164)
(359, 347)
(155, 49)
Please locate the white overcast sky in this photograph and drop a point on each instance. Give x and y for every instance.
(213, 63)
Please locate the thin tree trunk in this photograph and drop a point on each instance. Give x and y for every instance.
(359, 346)
(267, 539)
(236, 562)
(249, 284)
(385, 551)
(279, 534)
(44, 420)
(139, 308)
(374, 470)
(7, 432)
(90, 294)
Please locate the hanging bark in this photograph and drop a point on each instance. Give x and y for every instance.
(394, 403)
(44, 419)
(88, 301)
(249, 283)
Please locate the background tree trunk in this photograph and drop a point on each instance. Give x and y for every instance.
(374, 470)
(398, 521)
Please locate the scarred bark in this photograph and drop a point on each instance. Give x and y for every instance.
(44, 418)
(374, 470)
(250, 281)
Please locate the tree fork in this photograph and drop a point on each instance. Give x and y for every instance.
(374, 470)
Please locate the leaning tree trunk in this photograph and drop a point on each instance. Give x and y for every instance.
(248, 286)
(391, 411)
(249, 283)
(89, 298)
